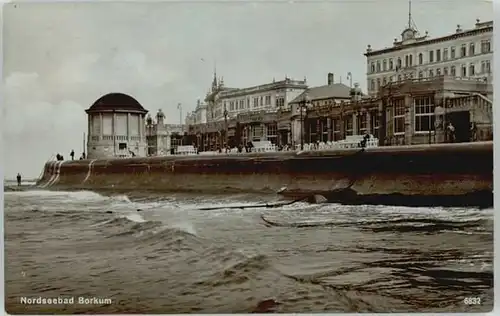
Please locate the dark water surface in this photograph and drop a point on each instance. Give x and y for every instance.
(174, 258)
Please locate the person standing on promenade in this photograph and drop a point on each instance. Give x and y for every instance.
(18, 179)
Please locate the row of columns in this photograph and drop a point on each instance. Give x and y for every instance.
(140, 127)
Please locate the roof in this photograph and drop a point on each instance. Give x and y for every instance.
(116, 102)
(336, 90)
(423, 41)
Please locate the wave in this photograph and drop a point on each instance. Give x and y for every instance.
(63, 195)
(398, 224)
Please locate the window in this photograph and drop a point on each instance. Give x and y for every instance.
(362, 123)
(255, 102)
(407, 61)
(452, 52)
(268, 99)
(242, 104)
(420, 59)
(463, 50)
(374, 122)
(485, 67)
(384, 65)
(348, 125)
(438, 72)
(463, 72)
(378, 66)
(398, 66)
(485, 46)
(420, 75)
(372, 84)
(424, 114)
(399, 77)
(372, 67)
(261, 101)
(122, 146)
(384, 81)
(411, 60)
(248, 103)
(438, 55)
(272, 132)
(472, 70)
(431, 56)
(453, 71)
(391, 64)
(431, 73)
(399, 115)
(445, 71)
(445, 54)
(472, 49)
(378, 83)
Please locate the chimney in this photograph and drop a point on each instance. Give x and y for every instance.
(330, 78)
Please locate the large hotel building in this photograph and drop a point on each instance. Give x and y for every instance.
(415, 87)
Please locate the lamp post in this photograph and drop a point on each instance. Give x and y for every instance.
(303, 111)
(225, 127)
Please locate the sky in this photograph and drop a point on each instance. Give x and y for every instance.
(58, 58)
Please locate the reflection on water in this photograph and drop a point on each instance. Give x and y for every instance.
(172, 257)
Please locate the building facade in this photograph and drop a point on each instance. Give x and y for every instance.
(239, 115)
(330, 95)
(198, 116)
(116, 127)
(412, 111)
(163, 139)
(466, 53)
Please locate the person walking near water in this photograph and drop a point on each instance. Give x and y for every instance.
(18, 179)
(72, 154)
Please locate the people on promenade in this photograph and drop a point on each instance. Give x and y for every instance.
(451, 132)
(72, 154)
(18, 179)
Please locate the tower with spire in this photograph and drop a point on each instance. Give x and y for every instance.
(411, 31)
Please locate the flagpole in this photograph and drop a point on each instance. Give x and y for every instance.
(84, 145)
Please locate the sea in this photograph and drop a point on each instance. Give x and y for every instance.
(143, 252)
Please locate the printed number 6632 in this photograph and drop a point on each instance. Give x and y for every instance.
(472, 300)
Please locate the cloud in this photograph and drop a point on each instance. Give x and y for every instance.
(44, 115)
(35, 127)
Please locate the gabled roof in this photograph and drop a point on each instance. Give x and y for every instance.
(336, 90)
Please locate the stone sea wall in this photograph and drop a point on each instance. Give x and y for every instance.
(404, 173)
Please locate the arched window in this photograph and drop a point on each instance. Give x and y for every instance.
(372, 84)
(373, 67)
(399, 63)
(411, 60)
(453, 71)
(391, 64)
(378, 66)
(384, 65)
(407, 61)
(420, 59)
